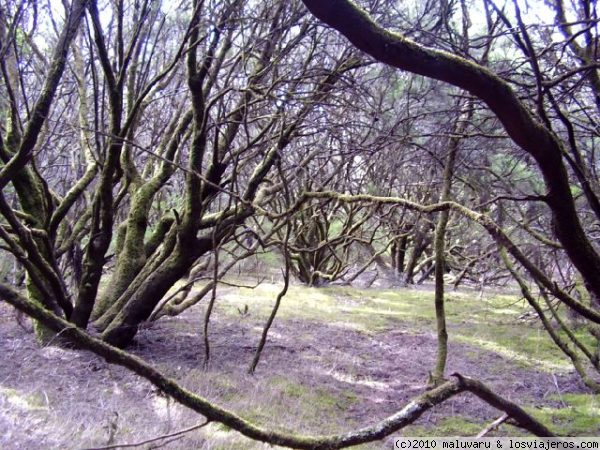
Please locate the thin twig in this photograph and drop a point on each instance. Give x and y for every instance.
(149, 441)
(558, 391)
(492, 426)
(245, 286)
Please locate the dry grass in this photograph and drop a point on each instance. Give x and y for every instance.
(336, 359)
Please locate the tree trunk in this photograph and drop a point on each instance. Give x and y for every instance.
(525, 130)
(437, 376)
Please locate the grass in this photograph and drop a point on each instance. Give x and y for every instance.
(318, 401)
(577, 415)
(447, 427)
(490, 324)
(24, 402)
(574, 415)
(368, 310)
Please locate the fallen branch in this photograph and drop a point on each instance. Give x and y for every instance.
(158, 438)
(492, 426)
(517, 413)
(407, 415)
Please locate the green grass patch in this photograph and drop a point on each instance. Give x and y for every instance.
(578, 415)
(521, 345)
(447, 427)
(491, 323)
(26, 402)
(363, 309)
(269, 259)
(319, 400)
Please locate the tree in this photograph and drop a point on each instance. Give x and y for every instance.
(25, 129)
(533, 130)
(236, 97)
(226, 104)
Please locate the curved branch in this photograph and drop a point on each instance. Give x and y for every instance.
(411, 412)
(71, 197)
(490, 226)
(42, 107)
(527, 132)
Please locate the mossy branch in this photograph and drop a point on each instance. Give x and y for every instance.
(486, 222)
(407, 415)
(42, 107)
(523, 128)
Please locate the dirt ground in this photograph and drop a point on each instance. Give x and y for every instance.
(313, 377)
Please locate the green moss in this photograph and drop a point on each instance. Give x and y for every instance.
(330, 401)
(523, 351)
(319, 400)
(299, 302)
(528, 345)
(217, 432)
(294, 390)
(222, 427)
(366, 310)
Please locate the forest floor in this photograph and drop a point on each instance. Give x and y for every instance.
(337, 358)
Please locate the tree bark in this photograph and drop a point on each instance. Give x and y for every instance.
(527, 132)
(407, 415)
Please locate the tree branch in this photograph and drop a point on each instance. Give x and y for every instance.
(407, 415)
